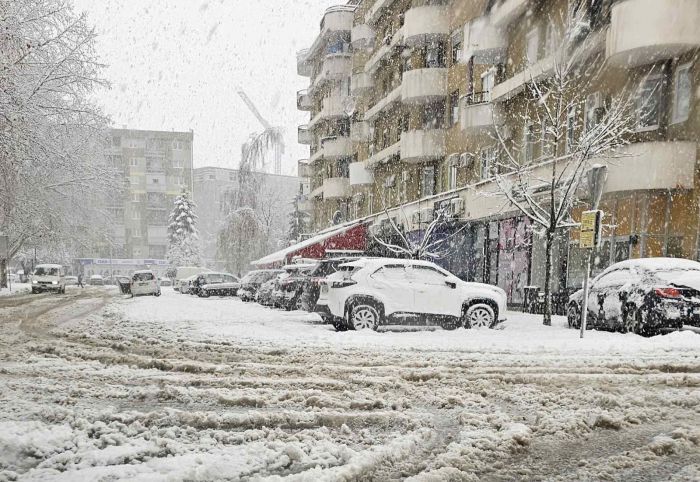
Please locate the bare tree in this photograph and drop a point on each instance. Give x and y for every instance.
(544, 189)
(53, 173)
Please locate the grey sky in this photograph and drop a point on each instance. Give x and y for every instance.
(176, 64)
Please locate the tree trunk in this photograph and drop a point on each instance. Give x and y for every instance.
(3, 273)
(547, 319)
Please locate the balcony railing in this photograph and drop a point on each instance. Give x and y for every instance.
(303, 100)
(477, 98)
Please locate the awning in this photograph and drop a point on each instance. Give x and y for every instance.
(352, 236)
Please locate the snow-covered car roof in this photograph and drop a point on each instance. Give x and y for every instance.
(657, 264)
(96, 276)
(48, 265)
(379, 262)
(143, 271)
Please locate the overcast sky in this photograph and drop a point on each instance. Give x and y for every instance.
(177, 64)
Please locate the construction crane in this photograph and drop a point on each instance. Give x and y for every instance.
(270, 132)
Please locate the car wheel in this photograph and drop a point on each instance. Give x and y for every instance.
(203, 294)
(35, 291)
(480, 315)
(573, 316)
(633, 320)
(364, 317)
(158, 293)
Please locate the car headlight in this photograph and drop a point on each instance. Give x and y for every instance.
(35, 282)
(54, 282)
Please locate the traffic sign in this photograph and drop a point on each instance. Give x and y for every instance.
(591, 223)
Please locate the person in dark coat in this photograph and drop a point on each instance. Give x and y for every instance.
(80, 280)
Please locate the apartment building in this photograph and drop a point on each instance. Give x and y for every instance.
(215, 186)
(156, 167)
(433, 83)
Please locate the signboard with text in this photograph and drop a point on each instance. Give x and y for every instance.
(591, 223)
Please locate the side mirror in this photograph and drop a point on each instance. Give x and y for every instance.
(451, 284)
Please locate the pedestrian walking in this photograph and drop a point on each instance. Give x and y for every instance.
(80, 280)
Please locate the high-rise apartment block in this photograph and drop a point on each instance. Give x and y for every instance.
(406, 98)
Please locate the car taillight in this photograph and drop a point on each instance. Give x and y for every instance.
(668, 292)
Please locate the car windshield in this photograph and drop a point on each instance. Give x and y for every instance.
(44, 271)
(214, 278)
(144, 277)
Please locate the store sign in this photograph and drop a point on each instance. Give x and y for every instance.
(591, 224)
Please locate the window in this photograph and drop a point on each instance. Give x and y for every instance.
(135, 232)
(391, 273)
(532, 46)
(404, 185)
(649, 103)
(570, 128)
(177, 163)
(178, 145)
(136, 214)
(428, 275)
(488, 80)
(456, 46)
(454, 108)
(155, 180)
(435, 55)
(136, 198)
(547, 140)
(452, 174)
(488, 161)
(135, 180)
(116, 141)
(528, 140)
(428, 181)
(434, 115)
(370, 202)
(682, 93)
(134, 162)
(615, 278)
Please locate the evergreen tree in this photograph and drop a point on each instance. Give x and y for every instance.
(183, 240)
(298, 224)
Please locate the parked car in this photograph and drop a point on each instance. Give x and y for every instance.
(144, 282)
(644, 296)
(368, 293)
(186, 284)
(264, 293)
(96, 280)
(252, 281)
(291, 287)
(165, 282)
(71, 280)
(311, 284)
(49, 277)
(220, 284)
(124, 283)
(184, 272)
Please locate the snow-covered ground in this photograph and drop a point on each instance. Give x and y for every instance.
(94, 386)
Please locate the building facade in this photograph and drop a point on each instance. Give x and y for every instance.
(156, 167)
(214, 187)
(407, 99)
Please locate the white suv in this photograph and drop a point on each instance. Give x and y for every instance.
(369, 292)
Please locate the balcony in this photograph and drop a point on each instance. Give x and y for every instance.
(506, 11)
(384, 155)
(362, 37)
(652, 165)
(383, 103)
(316, 155)
(303, 100)
(359, 131)
(424, 85)
(303, 66)
(484, 42)
(360, 83)
(425, 24)
(333, 105)
(359, 174)
(385, 49)
(645, 31)
(477, 113)
(336, 147)
(304, 134)
(335, 67)
(337, 19)
(303, 168)
(422, 145)
(336, 187)
(516, 84)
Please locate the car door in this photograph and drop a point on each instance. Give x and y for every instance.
(604, 298)
(432, 293)
(393, 286)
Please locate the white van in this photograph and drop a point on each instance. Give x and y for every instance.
(144, 282)
(49, 277)
(184, 272)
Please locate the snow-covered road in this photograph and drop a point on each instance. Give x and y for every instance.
(94, 386)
